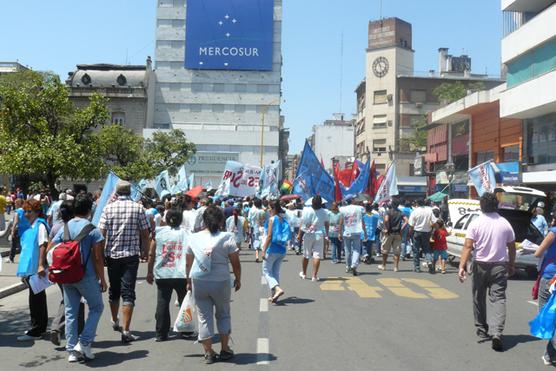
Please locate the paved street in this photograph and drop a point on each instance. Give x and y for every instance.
(396, 321)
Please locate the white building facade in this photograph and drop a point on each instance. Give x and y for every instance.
(529, 58)
(228, 114)
(333, 139)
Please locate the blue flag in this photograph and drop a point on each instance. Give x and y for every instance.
(191, 180)
(483, 177)
(360, 184)
(162, 183)
(311, 178)
(269, 181)
(107, 194)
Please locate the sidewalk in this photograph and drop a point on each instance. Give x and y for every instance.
(9, 283)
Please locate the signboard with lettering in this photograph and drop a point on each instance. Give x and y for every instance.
(229, 35)
(509, 172)
(239, 180)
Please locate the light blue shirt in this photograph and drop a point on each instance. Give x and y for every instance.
(540, 222)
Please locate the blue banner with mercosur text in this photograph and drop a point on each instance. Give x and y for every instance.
(229, 35)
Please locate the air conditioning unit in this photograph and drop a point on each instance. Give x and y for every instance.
(390, 97)
(389, 122)
(419, 105)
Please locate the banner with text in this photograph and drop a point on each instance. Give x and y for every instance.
(239, 180)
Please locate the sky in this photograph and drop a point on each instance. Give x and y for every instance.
(56, 35)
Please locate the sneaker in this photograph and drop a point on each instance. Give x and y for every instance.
(210, 358)
(7, 260)
(73, 357)
(546, 360)
(84, 350)
(354, 272)
(55, 337)
(395, 269)
(128, 337)
(348, 269)
(443, 272)
(27, 337)
(161, 338)
(497, 344)
(116, 326)
(417, 270)
(381, 267)
(302, 276)
(226, 355)
(315, 279)
(431, 268)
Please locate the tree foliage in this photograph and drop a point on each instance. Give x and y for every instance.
(43, 135)
(169, 150)
(449, 92)
(417, 141)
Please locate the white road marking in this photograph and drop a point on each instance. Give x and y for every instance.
(140, 282)
(533, 302)
(262, 351)
(263, 307)
(263, 280)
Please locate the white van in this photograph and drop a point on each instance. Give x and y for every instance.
(516, 204)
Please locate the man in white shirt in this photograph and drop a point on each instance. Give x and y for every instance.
(351, 229)
(421, 222)
(314, 222)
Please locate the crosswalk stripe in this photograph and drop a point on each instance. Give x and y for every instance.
(263, 348)
(397, 288)
(435, 291)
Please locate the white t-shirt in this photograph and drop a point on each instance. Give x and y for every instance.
(313, 221)
(43, 234)
(422, 219)
(188, 221)
(236, 229)
(353, 219)
(293, 218)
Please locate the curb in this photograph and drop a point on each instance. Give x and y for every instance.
(12, 289)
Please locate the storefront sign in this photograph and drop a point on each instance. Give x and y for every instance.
(509, 172)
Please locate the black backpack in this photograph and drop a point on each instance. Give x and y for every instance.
(395, 221)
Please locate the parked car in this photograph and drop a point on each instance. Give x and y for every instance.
(516, 205)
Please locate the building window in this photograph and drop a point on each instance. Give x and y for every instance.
(118, 118)
(541, 140)
(380, 97)
(510, 153)
(263, 88)
(218, 88)
(217, 108)
(360, 127)
(484, 156)
(239, 108)
(379, 145)
(379, 121)
(196, 107)
(411, 170)
(418, 96)
(380, 168)
(240, 88)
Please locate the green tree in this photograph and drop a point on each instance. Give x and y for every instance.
(168, 150)
(42, 133)
(417, 141)
(123, 152)
(449, 92)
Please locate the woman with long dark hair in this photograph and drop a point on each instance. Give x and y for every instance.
(207, 268)
(236, 224)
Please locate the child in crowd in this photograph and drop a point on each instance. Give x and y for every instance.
(439, 245)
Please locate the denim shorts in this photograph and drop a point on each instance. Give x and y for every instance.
(442, 253)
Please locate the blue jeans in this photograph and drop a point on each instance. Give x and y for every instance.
(421, 241)
(89, 289)
(352, 250)
(271, 269)
(336, 249)
(406, 241)
(367, 249)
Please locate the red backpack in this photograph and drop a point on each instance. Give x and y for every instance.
(67, 264)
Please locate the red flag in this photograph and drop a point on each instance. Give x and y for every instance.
(337, 190)
(354, 172)
(322, 162)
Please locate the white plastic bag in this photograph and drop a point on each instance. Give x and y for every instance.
(184, 320)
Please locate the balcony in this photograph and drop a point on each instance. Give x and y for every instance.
(525, 5)
(536, 31)
(530, 99)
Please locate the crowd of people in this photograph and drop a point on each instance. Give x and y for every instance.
(190, 244)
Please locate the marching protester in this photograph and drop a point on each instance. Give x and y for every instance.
(314, 221)
(293, 215)
(440, 245)
(547, 253)
(257, 218)
(236, 224)
(274, 249)
(20, 225)
(124, 226)
(34, 240)
(406, 239)
(189, 214)
(491, 239)
(209, 254)
(351, 229)
(394, 221)
(421, 222)
(90, 287)
(166, 267)
(539, 221)
(334, 233)
(58, 325)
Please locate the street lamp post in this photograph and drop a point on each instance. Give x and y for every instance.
(450, 169)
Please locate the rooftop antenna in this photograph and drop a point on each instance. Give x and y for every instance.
(341, 69)
(380, 9)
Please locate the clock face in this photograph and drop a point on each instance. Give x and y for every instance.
(380, 67)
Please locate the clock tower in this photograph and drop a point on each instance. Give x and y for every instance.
(389, 54)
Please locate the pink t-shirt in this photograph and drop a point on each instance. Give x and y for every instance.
(491, 234)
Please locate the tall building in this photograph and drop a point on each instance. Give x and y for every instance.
(529, 59)
(334, 138)
(11, 67)
(393, 99)
(218, 77)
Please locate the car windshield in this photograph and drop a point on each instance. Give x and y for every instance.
(512, 201)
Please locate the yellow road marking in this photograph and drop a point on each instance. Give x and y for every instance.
(435, 291)
(397, 288)
(362, 289)
(333, 284)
